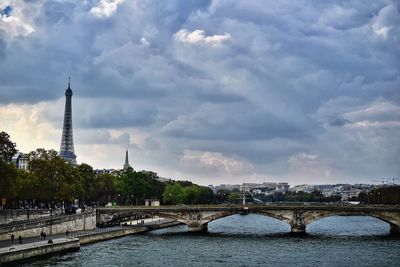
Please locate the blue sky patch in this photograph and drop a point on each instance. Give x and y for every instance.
(7, 11)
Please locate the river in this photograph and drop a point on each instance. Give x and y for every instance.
(250, 240)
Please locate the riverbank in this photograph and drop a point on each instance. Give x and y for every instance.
(22, 252)
(33, 248)
(88, 239)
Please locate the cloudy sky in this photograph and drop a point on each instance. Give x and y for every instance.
(223, 91)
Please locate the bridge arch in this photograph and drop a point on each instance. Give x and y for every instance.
(231, 213)
(391, 219)
(281, 217)
(320, 215)
(200, 224)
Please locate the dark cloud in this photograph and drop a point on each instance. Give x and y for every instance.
(234, 122)
(338, 121)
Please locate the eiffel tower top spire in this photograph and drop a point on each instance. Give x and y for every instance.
(68, 92)
(67, 151)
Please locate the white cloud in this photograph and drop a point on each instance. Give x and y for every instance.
(144, 42)
(377, 111)
(16, 23)
(27, 126)
(105, 8)
(336, 16)
(386, 22)
(310, 168)
(199, 37)
(217, 162)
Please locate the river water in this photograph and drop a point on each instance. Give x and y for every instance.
(250, 240)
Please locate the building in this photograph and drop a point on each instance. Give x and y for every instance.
(150, 174)
(152, 202)
(106, 171)
(255, 188)
(282, 187)
(67, 150)
(163, 179)
(21, 161)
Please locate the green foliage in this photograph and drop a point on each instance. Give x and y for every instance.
(362, 197)
(7, 148)
(135, 187)
(8, 176)
(106, 188)
(88, 183)
(57, 179)
(174, 194)
(235, 197)
(206, 195)
(385, 195)
(222, 196)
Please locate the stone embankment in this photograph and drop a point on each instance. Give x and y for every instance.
(15, 215)
(51, 226)
(17, 253)
(110, 233)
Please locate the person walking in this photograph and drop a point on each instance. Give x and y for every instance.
(12, 238)
(67, 233)
(20, 240)
(44, 235)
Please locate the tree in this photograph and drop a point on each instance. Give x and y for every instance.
(156, 188)
(106, 185)
(7, 148)
(134, 185)
(235, 197)
(222, 196)
(192, 194)
(206, 195)
(385, 195)
(28, 186)
(8, 175)
(174, 194)
(58, 179)
(87, 181)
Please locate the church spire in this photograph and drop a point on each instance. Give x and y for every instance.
(126, 165)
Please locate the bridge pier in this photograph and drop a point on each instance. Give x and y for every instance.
(202, 228)
(394, 229)
(298, 229)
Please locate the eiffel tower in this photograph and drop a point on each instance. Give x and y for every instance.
(67, 151)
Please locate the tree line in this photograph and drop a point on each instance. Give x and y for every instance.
(50, 181)
(383, 195)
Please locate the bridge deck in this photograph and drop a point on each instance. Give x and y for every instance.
(303, 207)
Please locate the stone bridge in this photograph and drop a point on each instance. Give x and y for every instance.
(298, 216)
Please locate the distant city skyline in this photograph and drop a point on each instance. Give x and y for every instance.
(209, 91)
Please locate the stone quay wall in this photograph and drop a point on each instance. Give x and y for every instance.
(87, 239)
(51, 226)
(10, 255)
(15, 215)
